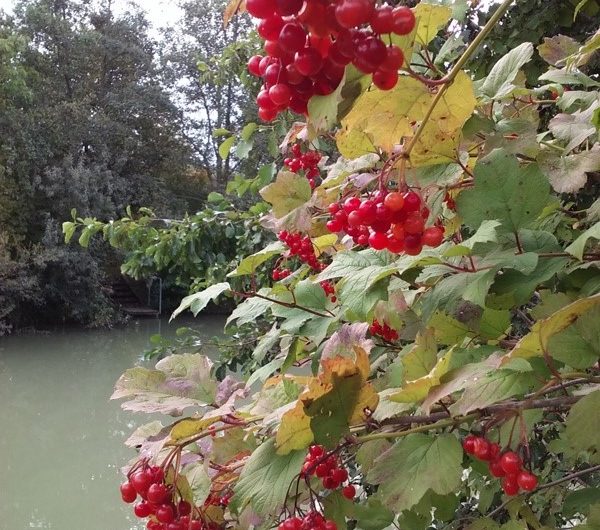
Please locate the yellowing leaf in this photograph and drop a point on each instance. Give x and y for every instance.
(233, 8)
(325, 241)
(333, 401)
(430, 19)
(288, 192)
(380, 120)
(190, 427)
(418, 389)
(536, 341)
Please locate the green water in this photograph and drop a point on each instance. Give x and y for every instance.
(61, 439)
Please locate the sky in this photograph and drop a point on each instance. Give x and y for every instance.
(160, 12)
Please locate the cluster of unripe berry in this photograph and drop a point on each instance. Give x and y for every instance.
(308, 44)
(506, 465)
(308, 162)
(157, 501)
(388, 220)
(311, 521)
(328, 469)
(302, 247)
(384, 331)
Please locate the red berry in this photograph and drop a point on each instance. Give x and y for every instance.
(270, 27)
(157, 493)
(288, 8)
(496, 468)
(253, 65)
(469, 444)
(341, 475)
(394, 201)
(164, 513)
(280, 94)
(527, 481)
(394, 244)
(292, 37)
(322, 470)
(349, 491)
(316, 451)
(184, 508)
(393, 60)
(385, 79)
(260, 8)
(128, 492)
(308, 61)
(510, 485)
(511, 462)
(412, 202)
(142, 509)
(404, 20)
(141, 481)
(414, 224)
(378, 240)
(482, 449)
(382, 20)
(267, 114)
(433, 236)
(352, 13)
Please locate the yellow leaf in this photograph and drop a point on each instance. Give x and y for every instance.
(536, 341)
(190, 427)
(383, 119)
(233, 8)
(294, 432)
(288, 192)
(430, 19)
(325, 241)
(418, 389)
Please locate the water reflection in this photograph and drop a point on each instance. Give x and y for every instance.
(61, 439)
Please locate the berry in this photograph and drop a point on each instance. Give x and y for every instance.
(382, 20)
(260, 8)
(349, 491)
(341, 475)
(433, 237)
(394, 201)
(288, 8)
(142, 509)
(280, 94)
(510, 485)
(404, 20)
(496, 468)
(164, 513)
(384, 79)
(469, 444)
(292, 37)
(141, 481)
(378, 240)
(527, 481)
(128, 492)
(482, 449)
(511, 462)
(157, 493)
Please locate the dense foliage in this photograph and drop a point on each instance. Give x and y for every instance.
(430, 351)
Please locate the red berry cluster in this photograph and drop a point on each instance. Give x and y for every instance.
(391, 220)
(280, 274)
(308, 43)
(507, 465)
(328, 469)
(302, 247)
(384, 331)
(311, 521)
(158, 501)
(307, 162)
(329, 289)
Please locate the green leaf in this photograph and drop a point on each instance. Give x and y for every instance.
(372, 515)
(265, 479)
(415, 464)
(323, 110)
(516, 203)
(68, 229)
(497, 386)
(571, 348)
(226, 146)
(199, 482)
(248, 131)
(430, 20)
(178, 382)
(250, 263)
(288, 192)
(486, 233)
(582, 432)
(566, 76)
(310, 294)
(577, 248)
(499, 82)
(249, 310)
(198, 301)
(568, 174)
(580, 501)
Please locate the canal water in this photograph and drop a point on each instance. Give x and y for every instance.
(61, 438)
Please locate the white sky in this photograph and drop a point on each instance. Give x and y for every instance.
(160, 12)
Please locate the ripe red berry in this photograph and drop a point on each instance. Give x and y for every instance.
(384, 79)
(267, 114)
(260, 8)
(412, 202)
(292, 37)
(128, 492)
(511, 462)
(510, 485)
(349, 491)
(280, 94)
(469, 444)
(270, 27)
(141, 481)
(527, 481)
(382, 20)
(378, 240)
(496, 468)
(352, 13)
(322, 470)
(393, 60)
(253, 65)
(308, 61)
(164, 513)
(394, 201)
(184, 508)
(340, 474)
(482, 449)
(404, 20)
(142, 509)
(433, 236)
(316, 451)
(288, 8)
(157, 493)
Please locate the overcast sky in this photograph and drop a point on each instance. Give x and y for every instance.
(160, 12)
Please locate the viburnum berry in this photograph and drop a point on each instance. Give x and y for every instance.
(404, 20)
(157, 493)
(349, 491)
(469, 444)
(511, 462)
(141, 481)
(142, 509)
(128, 492)
(165, 513)
(527, 481)
(510, 485)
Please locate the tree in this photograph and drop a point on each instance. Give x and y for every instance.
(439, 276)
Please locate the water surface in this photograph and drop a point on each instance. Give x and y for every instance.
(61, 439)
